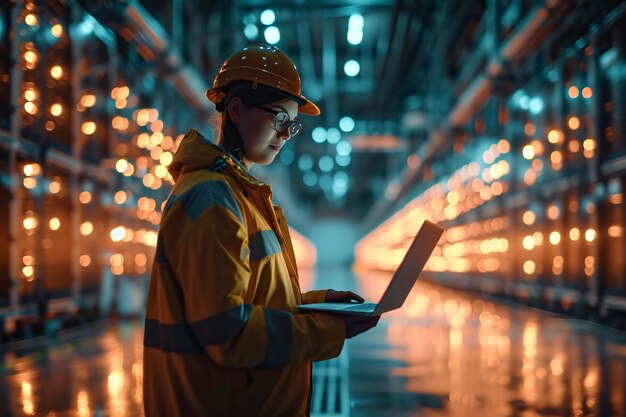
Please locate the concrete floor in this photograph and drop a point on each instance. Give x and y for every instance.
(445, 353)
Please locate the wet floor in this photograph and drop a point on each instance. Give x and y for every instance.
(445, 353)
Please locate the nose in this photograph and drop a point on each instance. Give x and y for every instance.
(284, 135)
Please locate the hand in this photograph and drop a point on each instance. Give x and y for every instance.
(359, 324)
(333, 296)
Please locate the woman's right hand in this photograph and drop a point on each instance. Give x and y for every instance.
(358, 324)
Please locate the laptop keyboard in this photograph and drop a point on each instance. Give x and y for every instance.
(364, 307)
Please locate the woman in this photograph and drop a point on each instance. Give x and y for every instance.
(222, 335)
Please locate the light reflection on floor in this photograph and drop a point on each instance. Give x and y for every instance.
(445, 353)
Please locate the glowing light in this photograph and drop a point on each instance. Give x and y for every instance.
(117, 259)
(587, 92)
(55, 223)
(529, 267)
(528, 242)
(529, 217)
(88, 128)
(86, 228)
(574, 146)
(553, 212)
(121, 165)
(30, 57)
(118, 233)
(574, 234)
(29, 223)
(84, 260)
(54, 187)
(352, 68)
(56, 30)
(504, 146)
(56, 109)
(272, 35)
(573, 122)
(84, 197)
(555, 238)
(31, 19)
(590, 235)
(32, 169)
(28, 260)
(143, 116)
(30, 107)
(160, 171)
(555, 136)
(88, 100)
(120, 197)
(30, 94)
(528, 152)
(268, 17)
(346, 124)
(121, 103)
(29, 183)
(251, 31)
(56, 72)
(166, 158)
(589, 144)
(573, 91)
(616, 231)
(28, 272)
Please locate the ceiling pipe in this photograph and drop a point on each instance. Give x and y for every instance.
(469, 103)
(188, 83)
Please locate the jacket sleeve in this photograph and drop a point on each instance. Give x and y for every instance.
(316, 296)
(213, 268)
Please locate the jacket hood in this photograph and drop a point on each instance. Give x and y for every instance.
(197, 152)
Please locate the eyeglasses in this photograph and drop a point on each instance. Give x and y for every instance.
(283, 122)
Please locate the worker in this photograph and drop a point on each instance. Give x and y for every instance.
(223, 336)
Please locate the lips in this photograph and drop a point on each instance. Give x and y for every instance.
(275, 147)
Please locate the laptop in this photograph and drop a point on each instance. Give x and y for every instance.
(403, 279)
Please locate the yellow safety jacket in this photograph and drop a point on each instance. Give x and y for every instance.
(222, 336)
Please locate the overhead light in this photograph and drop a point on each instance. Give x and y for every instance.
(251, 31)
(356, 22)
(333, 135)
(268, 17)
(355, 37)
(352, 68)
(272, 35)
(319, 134)
(346, 124)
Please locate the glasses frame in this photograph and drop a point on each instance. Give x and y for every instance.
(293, 126)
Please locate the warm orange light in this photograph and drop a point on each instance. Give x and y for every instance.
(573, 145)
(84, 260)
(556, 157)
(30, 94)
(166, 158)
(528, 152)
(88, 100)
(29, 223)
(121, 103)
(555, 238)
(123, 92)
(84, 197)
(55, 223)
(529, 217)
(117, 259)
(574, 234)
(503, 146)
(529, 267)
(118, 233)
(160, 171)
(156, 126)
(590, 235)
(30, 107)
(54, 187)
(616, 198)
(30, 57)
(32, 169)
(553, 212)
(587, 92)
(572, 91)
(86, 228)
(120, 197)
(589, 144)
(56, 72)
(57, 30)
(29, 183)
(121, 165)
(616, 231)
(28, 260)
(143, 116)
(573, 122)
(149, 180)
(56, 109)
(88, 128)
(31, 19)
(528, 242)
(555, 136)
(28, 272)
(529, 129)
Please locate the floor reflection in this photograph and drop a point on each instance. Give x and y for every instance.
(455, 354)
(445, 353)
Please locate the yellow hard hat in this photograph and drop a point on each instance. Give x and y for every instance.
(265, 65)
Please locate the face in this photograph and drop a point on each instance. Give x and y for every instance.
(261, 142)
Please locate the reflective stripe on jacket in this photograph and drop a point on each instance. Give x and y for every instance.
(222, 336)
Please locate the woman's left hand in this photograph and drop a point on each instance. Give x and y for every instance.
(333, 296)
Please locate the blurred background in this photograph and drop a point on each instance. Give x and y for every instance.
(502, 120)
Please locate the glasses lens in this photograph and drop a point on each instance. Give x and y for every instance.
(295, 128)
(281, 121)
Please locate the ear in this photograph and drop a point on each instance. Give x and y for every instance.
(235, 106)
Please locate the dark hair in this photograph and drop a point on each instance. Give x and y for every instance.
(228, 134)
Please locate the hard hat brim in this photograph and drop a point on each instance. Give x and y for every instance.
(216, 95)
